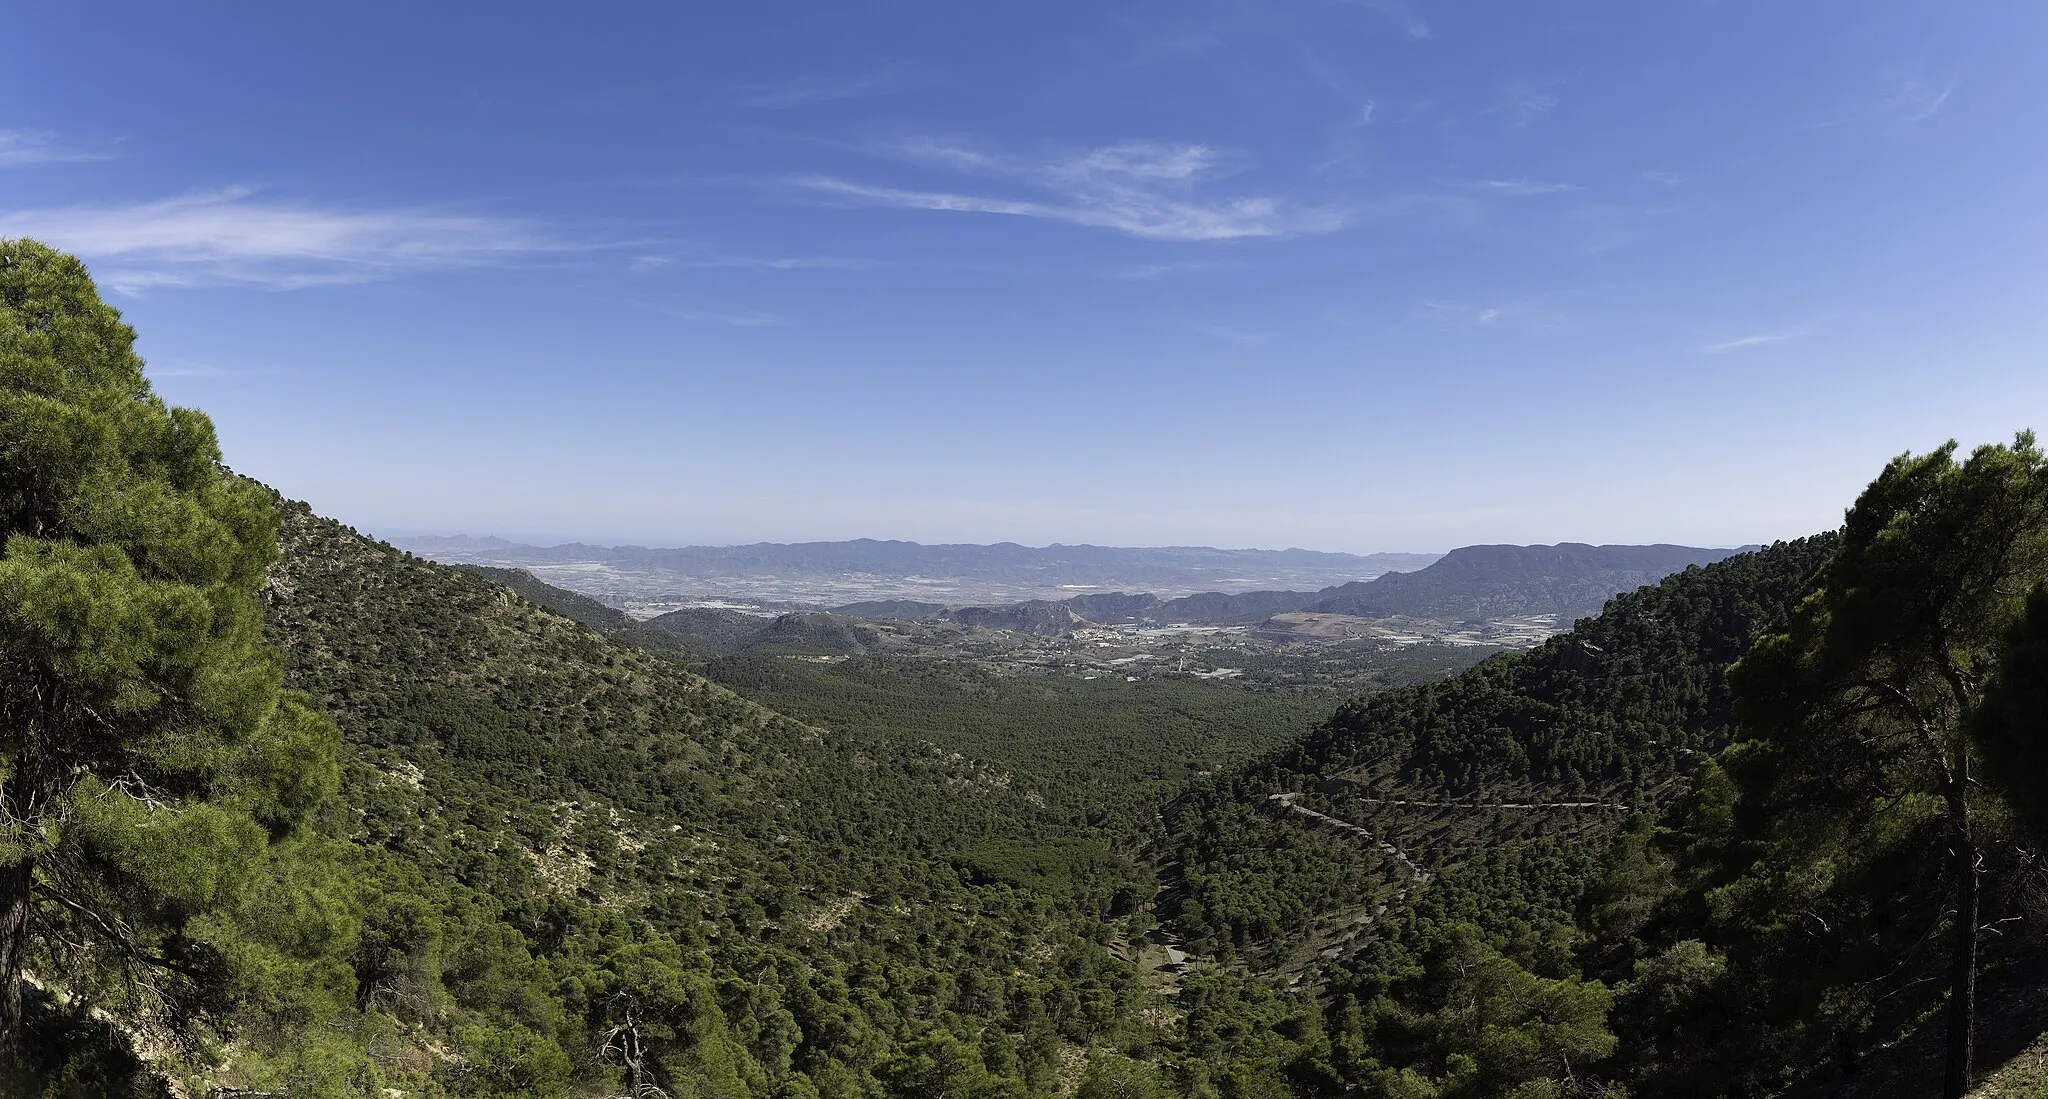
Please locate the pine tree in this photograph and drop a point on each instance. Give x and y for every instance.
(148, 759)
(1872, 692)
(2012, 725)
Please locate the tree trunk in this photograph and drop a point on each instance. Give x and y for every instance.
(16, 881)
(636, 1082)
(1962, 995)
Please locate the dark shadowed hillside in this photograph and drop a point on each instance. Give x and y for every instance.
(1548, 842)
(1605, 713)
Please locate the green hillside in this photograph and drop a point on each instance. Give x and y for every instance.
(1489, 797)
(1539, 877)
(556, 797)
(285, 811)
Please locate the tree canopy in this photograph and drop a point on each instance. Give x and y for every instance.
(1869, 696)
(152, 772)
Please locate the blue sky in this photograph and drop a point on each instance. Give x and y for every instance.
(1364, 275)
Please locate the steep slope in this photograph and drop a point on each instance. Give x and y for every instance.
(568, 604)
(1534, 878)
(1606, 714)
(1619, 701)
(549, 828)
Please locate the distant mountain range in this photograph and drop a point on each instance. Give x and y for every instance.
(894, 558)
(825, 573)
(1569, 580)
(1031, 589)
(1476, 583)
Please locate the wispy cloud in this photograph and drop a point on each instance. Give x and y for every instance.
(1529, 108)
(1916, 100)
(1339, 82)
(1741, 342)
(23, 148)
(660, 261)
(1517, 188)
(1520, 316)
(1904, 101)
(1763, 339)
(234, 238)
(1143, 189)
(805, 91)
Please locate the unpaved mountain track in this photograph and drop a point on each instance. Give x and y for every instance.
(1418, 803)
(1335, 943)
(1287, 802)
(1493, 804)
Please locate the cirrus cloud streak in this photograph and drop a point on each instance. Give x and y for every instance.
(232, 237)
(1145, 189)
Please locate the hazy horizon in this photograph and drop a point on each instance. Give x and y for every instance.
(552, 541)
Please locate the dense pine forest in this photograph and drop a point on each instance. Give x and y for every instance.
(290, 812)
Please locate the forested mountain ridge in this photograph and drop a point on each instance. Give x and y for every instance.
(1610, 712)
(510, 767)
(1599, 867)
(1473, 582)
(1516, 800)
(1570, 579)
(1619, 701)
(517, 893)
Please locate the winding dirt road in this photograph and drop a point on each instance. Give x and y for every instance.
(1287, 802)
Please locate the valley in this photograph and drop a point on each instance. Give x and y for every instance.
(1375, 549)
(1346, 637)
(295, 812)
